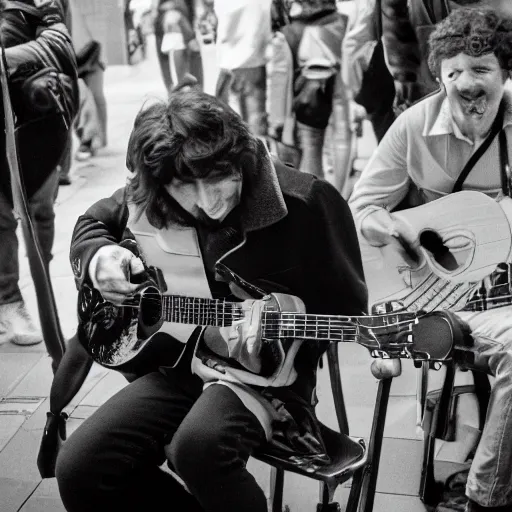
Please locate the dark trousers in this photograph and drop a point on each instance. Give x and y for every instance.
(111, 462)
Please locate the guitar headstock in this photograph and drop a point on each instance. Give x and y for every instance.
(386, 336)
(421, 337)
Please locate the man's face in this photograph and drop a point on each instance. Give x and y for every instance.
(208, 199)
(474, 87)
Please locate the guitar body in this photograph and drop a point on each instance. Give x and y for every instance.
(463, 237)
(130, 338)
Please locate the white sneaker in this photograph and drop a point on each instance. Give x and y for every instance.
(16, 326)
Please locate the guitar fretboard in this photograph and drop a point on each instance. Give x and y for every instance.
(200, 311)
(326, 327)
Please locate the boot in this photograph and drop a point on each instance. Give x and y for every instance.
(16, 326)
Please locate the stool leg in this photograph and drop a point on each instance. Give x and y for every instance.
(327, 490)
(371, 470)
(276, 488)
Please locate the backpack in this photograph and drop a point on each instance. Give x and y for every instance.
(316, 50)
(45, 102)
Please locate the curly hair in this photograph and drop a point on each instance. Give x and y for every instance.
(187, 138)
(474, 32)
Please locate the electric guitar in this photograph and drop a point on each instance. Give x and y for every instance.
(121, 337)
(463, 237)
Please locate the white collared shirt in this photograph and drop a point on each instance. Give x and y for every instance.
(426, 146)
(243, 32)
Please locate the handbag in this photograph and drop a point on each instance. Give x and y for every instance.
(378, 84)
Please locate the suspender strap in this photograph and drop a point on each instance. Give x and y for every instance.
(495, 129)
(504, 164)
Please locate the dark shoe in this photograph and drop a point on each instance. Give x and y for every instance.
(64, 180)
(475, 507)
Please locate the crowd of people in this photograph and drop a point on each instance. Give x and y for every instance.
(237, 178)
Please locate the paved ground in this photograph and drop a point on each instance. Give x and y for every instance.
(25, 375)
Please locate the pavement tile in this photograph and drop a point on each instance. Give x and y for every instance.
(37, 382)
(45, 498)
(400, 467)
(82, 412)
(14, 367)
(9, 425)
(18, 458)
(15, 492)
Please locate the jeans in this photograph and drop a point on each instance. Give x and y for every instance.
(111, 462)
(244, 90)
(184, 61)
(339, 138)
(489, 483)
(311, 142)
(95, 82)
(43, 218)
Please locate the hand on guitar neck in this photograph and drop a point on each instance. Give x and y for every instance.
(382, 228)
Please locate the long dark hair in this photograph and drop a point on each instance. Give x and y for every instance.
(186, 138)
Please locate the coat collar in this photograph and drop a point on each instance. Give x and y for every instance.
(439, 120)
(265, 204)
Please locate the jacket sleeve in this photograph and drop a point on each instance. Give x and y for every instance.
(104, 223)
(337, 277)
(27, 52)
(401, 45)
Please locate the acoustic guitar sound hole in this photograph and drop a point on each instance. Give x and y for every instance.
(150, 306)
(433, 243)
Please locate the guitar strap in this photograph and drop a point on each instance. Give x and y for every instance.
(497, 127)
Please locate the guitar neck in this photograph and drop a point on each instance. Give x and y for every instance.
(200, 311)
(330, 328)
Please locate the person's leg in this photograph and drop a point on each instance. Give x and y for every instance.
(163, 59)
(42, 213)
(111, 462)
(64, 166)
(341, 141)
(9, 264)
(210, 451)
(196, 67)
(179, 64)
(16, 325)
(311, 142)
(489, 483)
(253, 93)
(95, 83)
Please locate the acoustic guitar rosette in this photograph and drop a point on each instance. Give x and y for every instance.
(462, 236)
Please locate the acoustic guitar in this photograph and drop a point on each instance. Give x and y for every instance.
(121, 337)
(462, 237)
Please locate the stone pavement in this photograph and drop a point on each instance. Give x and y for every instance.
(25, 374)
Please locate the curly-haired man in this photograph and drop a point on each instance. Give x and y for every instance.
(428, 146)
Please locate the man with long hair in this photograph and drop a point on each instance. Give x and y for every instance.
(432, 148)
(205, 192)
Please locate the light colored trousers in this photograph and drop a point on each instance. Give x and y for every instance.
(490, 478)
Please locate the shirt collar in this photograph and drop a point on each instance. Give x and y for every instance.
(443, 123)
(265, 204)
